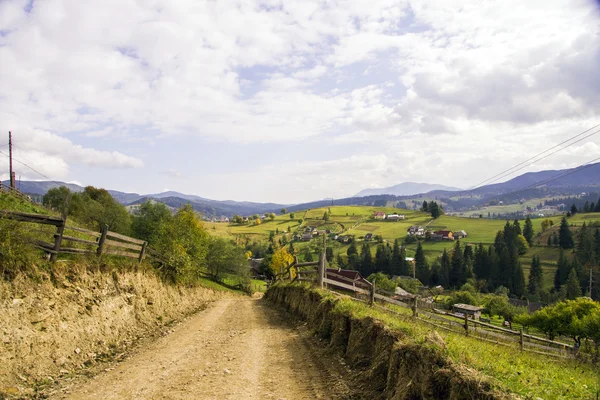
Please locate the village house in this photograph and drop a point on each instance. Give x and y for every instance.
(459, 234)
(470, 311)
(306, 236)
(442, 235)
(395, 217)
(368, 236)
(379, 215)
(348, 277)
(416, 230)
(223, 219)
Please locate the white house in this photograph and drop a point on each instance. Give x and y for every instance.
(416, 230)
(395, 217)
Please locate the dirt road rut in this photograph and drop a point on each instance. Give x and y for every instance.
(235, 349)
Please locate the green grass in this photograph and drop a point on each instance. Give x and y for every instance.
(527, 374)
(13, 203)
(210, 284)
(259, 285)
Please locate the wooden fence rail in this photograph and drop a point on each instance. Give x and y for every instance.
(99, 243)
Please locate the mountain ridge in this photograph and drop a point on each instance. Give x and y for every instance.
(406, 189)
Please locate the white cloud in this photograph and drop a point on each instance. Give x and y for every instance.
(390, 80)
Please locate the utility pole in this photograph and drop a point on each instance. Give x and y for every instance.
(12, 174)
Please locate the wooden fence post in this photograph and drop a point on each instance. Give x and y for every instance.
(143, 253)
(372, 295)
(414, 307)
(60, 229)
(321, 272)
(521, 339)
(466, 325)
(101, 241)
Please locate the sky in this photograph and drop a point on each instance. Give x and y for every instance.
(293, 101)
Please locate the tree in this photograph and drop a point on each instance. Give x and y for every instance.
(573, 209)
(224, 258)
(184, 242)
(399, 266)
(329, 254)
(534, 285)
(366, 260)
(573, 288)
(292, 215)
(420, 264)
(435, 210)
(565, 237)
(425, 207)
(284, 211)
(381, 281)
(383, 259)
(257, 221)
(95, 207)
(280, 260)
(148, 220)
(272, 216)
(562, 270)
(518, 281)
(237, 219)
(56, 198)
(528, 231)
(325, 216)
(457, 267)
(353, 257)
(522, 245)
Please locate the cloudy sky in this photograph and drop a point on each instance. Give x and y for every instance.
(291, 101)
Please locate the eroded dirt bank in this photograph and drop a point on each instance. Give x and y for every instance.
(235, 349)
(68, 322)
(388, 364)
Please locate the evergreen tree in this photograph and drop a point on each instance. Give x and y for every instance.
(562, 271)
(534, 285)
(573, 288)
(518, 281)
(517, 228)
(597, 208)
(565, 237)
(340, 262)
(586, 207)
(573, 209)
(329, 254)
(457, 267)
(353, 257)
(399, 266)
(366, 260)
(494, 269)
(597, 242)
(528, 231)
(425, 206)
(421, 267)
(581, 272)
(586, 247)
(468, 258)
(444, 271)
(555, 241)
(383, 259)
(481, 263)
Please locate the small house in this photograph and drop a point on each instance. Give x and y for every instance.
(442, 235)
(306, 236)
(368, 236)
(459, 234)
(472, 312)
(416, 230)
(379, 215)
(348, 277)
(395, 217)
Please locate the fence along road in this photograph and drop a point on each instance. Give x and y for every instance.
(98, 243)
(433, 316)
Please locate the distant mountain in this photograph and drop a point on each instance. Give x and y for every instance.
(405, 189)
(572, 181)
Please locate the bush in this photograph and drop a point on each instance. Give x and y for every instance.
(17, 255)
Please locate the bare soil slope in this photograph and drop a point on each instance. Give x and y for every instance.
(236, 349)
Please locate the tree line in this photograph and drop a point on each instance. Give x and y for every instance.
(188, 250)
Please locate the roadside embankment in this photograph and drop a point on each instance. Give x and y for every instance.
(70, 319)
(393, 365)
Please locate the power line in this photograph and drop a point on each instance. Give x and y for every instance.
(555, 177)
(521, 164)
(31, 168)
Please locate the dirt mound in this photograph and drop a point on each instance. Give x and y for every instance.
(71, 320)
(393, 366)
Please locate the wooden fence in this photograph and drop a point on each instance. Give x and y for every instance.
(83, 241)
(427, 313)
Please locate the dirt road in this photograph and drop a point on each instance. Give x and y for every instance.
(235, 349)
